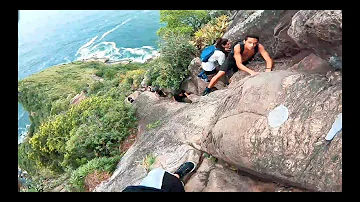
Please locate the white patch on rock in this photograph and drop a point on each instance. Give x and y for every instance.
(278, 116)
(335, 128)
(290, 80)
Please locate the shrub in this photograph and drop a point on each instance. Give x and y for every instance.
(107, 164)
(93, 128)
(171, 67)
(134, 77)
(210, 32)
(182, 21)
(24, 162)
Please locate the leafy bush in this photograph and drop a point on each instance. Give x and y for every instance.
(134, 77)
(182, 21)
(93, 128)
(107, 164)
(171, 67)
(23, 159)
(210, 32)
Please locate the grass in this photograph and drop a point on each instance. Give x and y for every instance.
(103, 164)
(60, 80)
(148, 161)
(153, 125)
(209, 156)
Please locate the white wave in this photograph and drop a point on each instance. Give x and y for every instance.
(148, 47)
(146, 11)
(113, 29)
(23, 134)
(136, 51)
(21, 115)
(86, 45)
(109, 50)
(67, 59)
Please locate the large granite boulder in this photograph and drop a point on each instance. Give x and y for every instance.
(234, 124)
(295, 152)
(285, 33)
(321, 31)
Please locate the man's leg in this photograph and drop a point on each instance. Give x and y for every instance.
(225, 67)
(200, 75)
(163, 180)
(213, 81)
(216, 78)
(168, 182)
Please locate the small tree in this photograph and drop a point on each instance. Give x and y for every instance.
(182, 21)
(176, 54)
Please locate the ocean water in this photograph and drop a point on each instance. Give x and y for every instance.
(48, 38)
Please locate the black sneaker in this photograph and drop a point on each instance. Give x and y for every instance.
(206, 91)
(185, 169)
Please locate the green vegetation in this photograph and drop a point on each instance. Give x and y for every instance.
(185, 34)
(68, 142)
(148, 161)
(212, 158)
(153, 125)
(98, 164)
(182, 21)
(90, 129)
(65, 136)
(210, 32)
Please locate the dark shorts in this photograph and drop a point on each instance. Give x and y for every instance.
(158, 180)
(211, 72)
(229, 66)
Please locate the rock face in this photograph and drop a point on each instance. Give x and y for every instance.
(319, 30)
(217, 177)
(272, 125)
(270, 26)
(312, 64)
(78, 98)
(296, 152)
(286, 32)
(232, 124)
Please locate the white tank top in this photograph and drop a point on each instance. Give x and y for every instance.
(217, 57)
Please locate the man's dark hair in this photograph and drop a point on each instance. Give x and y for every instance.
(220, 42)
(251, 36)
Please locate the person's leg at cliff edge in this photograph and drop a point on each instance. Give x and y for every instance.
(224, 68)
(159, 180)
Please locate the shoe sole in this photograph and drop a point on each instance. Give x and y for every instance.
(190, 170)
(193, 167)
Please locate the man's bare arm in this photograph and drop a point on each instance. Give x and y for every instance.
(239, 64)
(265, 55)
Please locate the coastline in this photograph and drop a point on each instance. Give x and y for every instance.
(104, 60)
(112, 62)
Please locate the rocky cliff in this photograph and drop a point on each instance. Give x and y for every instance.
(267, 132)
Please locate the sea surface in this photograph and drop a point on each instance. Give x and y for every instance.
(48, 38)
